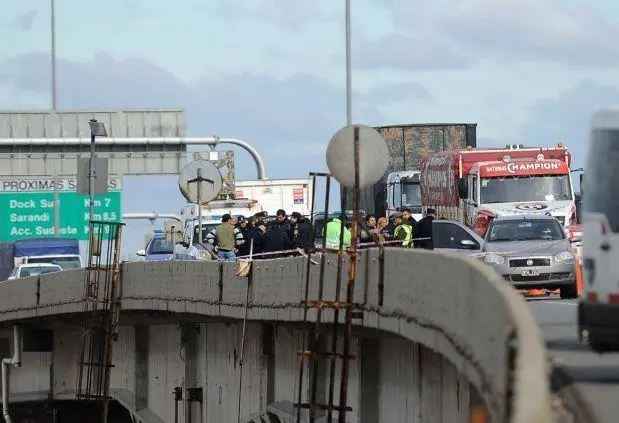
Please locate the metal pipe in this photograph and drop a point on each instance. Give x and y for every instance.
(214, 141)
(91, 180)
(53, 53)
(56, 206)
(348, 67)
(151, 216)
(6, 363)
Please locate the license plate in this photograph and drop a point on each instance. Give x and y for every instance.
(530, 272)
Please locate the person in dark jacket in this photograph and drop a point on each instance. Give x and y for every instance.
(301, 232)
(243, 225)
(276, 239)
(408, 218)
(256, 235)
(281, 220)
(424, 230)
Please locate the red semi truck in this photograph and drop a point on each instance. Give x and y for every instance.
(475, 185)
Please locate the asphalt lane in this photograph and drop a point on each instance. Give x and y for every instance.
(595, 377)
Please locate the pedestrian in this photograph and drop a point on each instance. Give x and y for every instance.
(276, 239)
(281, 220)
(301, 233)
(243, 226)
(409, 219)
(365, 234)
(226, 238)
(333, 232)
(403, 230)
(256, 235)
(424, 230)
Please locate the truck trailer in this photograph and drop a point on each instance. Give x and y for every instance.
(408, 144)
(273, 194)
(476, 185)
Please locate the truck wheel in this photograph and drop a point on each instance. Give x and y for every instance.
(569, 292)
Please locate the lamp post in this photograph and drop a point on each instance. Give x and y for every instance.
(97, 129)
(348, 67)
(53, 54)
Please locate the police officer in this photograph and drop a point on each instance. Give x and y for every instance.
(403, 231)
(333, 231)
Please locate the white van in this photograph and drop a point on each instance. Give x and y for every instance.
(598, 310)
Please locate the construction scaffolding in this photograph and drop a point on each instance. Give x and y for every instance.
(101, 312)
(310, 348)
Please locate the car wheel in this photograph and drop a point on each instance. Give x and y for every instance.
(569, 292)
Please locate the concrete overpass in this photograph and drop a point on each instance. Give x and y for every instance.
(437, 330)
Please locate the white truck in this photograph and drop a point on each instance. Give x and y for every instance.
(189, 248)
(404, 192)
(273, 194)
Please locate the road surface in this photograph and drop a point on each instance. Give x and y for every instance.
(595, 377)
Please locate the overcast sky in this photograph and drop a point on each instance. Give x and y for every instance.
(271, 72)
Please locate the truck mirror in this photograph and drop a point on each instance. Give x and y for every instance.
(463, 188)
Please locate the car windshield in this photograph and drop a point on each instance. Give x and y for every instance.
(65, 263)
(159, 246)
(39, 270)
(525, 230)
(521, 189)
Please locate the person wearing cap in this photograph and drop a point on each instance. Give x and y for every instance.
(301, 231)
(243, 227)
(403, 231)
(424, 230)
(333, 231)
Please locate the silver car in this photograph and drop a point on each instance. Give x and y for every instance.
(531, 252)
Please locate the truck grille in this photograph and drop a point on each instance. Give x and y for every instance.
(523, 262)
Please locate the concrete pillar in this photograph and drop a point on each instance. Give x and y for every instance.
(141, 366)
(370, 366)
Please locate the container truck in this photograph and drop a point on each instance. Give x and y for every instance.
(408, 144)
(288, 194)
(476, 185)
(61, 251)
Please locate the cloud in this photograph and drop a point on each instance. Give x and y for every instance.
(395, 92)
(567, 117)
(279, 117)
(535, 30)
(401, 52)
(290, 15)
(24, 21)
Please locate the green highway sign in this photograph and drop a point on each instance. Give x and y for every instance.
(29, 207)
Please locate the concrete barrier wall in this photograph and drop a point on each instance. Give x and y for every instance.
(456, 306)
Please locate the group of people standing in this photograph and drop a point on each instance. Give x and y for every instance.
(400, 230)
(239, 236)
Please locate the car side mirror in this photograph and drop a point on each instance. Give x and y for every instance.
(468, 243)
(141, 253)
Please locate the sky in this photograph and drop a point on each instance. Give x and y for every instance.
(272, 72)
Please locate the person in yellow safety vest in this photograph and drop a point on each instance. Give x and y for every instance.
(403, 231)
(333, 231)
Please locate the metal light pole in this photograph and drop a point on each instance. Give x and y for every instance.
(53, 40)
(97, 129)
(198, 180)
(348, 67)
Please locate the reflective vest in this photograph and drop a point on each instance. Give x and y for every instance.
(409, 234)
(332, 235)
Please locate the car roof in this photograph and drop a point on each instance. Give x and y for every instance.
(525, 217)
(38, 265)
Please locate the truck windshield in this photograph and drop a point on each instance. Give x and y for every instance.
(411, 195)
(600, 196)
(527, 188)
(206, 228)
(71, 262)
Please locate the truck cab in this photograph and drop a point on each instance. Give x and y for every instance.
(598, 308)
(404, 191)
(514, 187)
